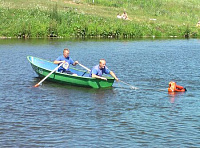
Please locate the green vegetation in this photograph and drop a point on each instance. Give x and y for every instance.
(83, 18)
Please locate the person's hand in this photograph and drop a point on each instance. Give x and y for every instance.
(76, 62)
(63, 61)
(103, 78)
(116, 79)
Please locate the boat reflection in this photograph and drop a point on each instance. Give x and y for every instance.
(78, 90)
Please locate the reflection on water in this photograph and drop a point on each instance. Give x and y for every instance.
(97, 93)
(57, 115)
(175, 96)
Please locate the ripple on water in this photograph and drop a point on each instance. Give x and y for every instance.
(54, 115)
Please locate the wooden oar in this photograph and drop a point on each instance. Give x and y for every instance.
(84, 67)
(132, 87)
(36, 85)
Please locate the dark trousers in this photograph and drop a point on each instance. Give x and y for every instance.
(66, 71)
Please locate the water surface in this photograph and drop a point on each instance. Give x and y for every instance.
(54, 115)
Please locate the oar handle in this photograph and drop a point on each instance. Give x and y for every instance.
(48, 75)
(84, 67)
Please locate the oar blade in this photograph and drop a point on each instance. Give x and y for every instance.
(36, 85)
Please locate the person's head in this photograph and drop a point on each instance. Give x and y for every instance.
(66, 52)
(171, 84)
(102, 63)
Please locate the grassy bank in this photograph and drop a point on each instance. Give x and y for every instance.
(83, 18)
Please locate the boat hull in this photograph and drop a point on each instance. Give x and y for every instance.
(39, 67)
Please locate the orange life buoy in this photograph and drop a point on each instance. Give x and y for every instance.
(175, 88)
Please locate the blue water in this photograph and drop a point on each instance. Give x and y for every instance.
(54, 115)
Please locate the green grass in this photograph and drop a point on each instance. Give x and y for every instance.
(83, 18)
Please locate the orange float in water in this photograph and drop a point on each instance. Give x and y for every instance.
(175, 88)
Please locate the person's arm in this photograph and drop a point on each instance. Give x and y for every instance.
(98, 77)
(72, 62)
(114, 76)
(58, 62)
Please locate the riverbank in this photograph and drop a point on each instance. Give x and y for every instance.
(85, 19)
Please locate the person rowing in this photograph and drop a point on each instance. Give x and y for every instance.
(98, 70)
(67, 61)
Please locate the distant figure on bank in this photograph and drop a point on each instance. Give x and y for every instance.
(124, 16)
(119, 16)
(198, 24)
(67, 61)
(98, 70)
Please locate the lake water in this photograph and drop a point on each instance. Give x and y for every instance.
(54, 115)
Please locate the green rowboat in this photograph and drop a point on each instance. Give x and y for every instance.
(44, 67)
